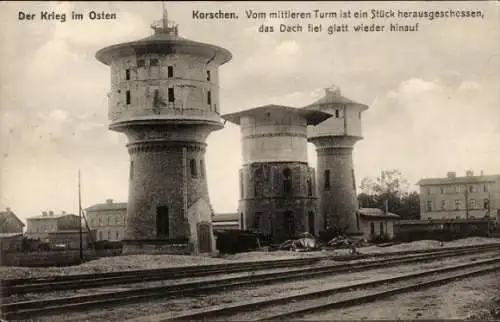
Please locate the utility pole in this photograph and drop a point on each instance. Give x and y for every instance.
(80, 215)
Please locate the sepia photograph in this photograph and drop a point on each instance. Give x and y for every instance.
(249, 161)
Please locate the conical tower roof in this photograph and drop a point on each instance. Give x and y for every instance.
(333, 96)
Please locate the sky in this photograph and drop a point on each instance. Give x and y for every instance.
(433, 95)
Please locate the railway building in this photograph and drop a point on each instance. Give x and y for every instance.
(466, 197)
(277, 186)
(108, 220)
(165, 98)
(334, 139)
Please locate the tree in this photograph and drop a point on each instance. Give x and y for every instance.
(390, 187)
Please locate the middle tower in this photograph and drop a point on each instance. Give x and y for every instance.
(277, 186)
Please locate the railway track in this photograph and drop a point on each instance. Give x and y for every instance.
(23, 309)
(296, 305)
(81, 281)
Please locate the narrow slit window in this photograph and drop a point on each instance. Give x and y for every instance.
(202, 169)
(208, 75)
(194, 170)
(171, 96)
(170, 71)
(209, 98)
(127, 74)
(337, 113)
(327, 179)
(127, 97)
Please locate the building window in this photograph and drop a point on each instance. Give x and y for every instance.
(209, 98)
(117, 235)
(127, 97)
(154, 62)
(472, 203)
(442, 190)
(162, 222)
(359, 115)
(289, 224)
(127, 74)
(457, 204)
(372, 228)
(208, 75)
(141, 63)
(429, 205)
(485, 188)
(170, 71)
(109, 234)
(171, 97)
(100, 222)
(202, 169)
(131, 170)
(471, 188)
(287, 180)
(194, 170)
(486, 203)
(337, 113)
(109, 221)
(256, 220)
(428, 191)
(242, 222)
(309, 188)
(443, 204)
(327, 179)
(457, 189)
(381, 226)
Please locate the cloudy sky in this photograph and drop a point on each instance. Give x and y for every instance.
(434, 95)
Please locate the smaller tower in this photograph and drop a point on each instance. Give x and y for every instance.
(334, 140)
(277, 195)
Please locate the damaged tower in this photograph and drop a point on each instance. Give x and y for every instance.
(277, 186)
(165, 98)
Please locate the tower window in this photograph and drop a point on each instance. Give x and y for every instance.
(209, 98)
(309, 188)
(162, 221)
(131, 170)
(241, 185)
(337, 113)
(327, 179)
(359, 115)
(194, 170)
(486, 203)
(127, 74)
(429, 205)
(141, 63)
(171, 97)
(154, 62)
(256, 223)
(257, 182)
(202, 169)
(208, 75)
(287, 180)
(127, 97)
(170, 71)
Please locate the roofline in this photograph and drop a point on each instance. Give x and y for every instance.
(174, 45)
(313, 117)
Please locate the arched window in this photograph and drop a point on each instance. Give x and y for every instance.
(309, 188)
(287, 180)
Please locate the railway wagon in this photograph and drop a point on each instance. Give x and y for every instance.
(443, 229)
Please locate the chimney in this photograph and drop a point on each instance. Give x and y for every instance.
(44, 214)
(7, 209)
(451, 175)
(109, 201)
(51, 213)
(482, 173)
(64, 212)
(469, 173)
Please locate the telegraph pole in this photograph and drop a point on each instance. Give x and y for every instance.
(80, 215)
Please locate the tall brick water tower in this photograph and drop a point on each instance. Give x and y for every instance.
(334, 140)
(165, 98)
(277, 186)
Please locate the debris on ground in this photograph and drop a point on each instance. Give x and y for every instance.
(306, 243)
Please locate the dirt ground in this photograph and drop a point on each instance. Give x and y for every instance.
(134, 262)
(475, 298)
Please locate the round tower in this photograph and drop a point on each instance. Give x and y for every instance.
(334, 140)
(165, 98)
(277, 194)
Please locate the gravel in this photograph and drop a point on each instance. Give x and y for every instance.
(178, 305)
(134, 262)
